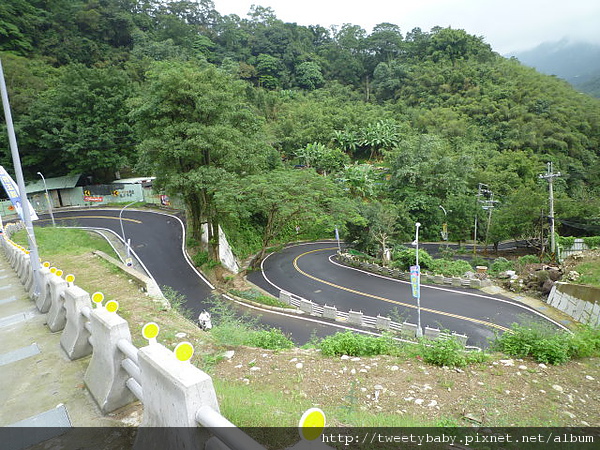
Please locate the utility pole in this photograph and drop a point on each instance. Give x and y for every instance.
(482, 189)
(549, 175)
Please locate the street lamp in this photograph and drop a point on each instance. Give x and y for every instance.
(123, 231)
(48, 199)
(416, 272)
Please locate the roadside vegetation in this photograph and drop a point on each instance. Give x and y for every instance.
(342, 373)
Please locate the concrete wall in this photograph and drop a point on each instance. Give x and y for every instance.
(578, 301)
(226, 255)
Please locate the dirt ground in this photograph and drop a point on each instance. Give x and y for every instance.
(501, 392)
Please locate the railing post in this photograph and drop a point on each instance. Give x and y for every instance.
(44, 300)
(57, 315)
(104, 377)
(74, 339)
(173, 390)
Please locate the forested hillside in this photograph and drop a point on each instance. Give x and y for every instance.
(386, 126)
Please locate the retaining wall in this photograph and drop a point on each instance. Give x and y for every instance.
(578, 301)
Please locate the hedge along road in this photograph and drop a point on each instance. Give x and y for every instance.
(310, 271)
(157, 239)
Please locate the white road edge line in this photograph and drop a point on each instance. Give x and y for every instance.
(427, 286)
(406, 282)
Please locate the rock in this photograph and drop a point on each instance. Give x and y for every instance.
(547, 286)
(557, 387)
(229, 354)
(507, 362)
(432, 403)
(254, 369)
(180, 335)
(353, 372)
(394, 368)
(573, 276)
(570, 414)
(590, 378)
(355, 359)
(542, 366)
(293, 359)
(419, 401)
(299, 365)
(344, 357)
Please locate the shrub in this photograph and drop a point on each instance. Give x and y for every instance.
(443, 352)
(585, 342)
(593, 242)
(501, 265)
(355, 344)
(478, 261)
(272, 339)
(547, 345)
(448, 352)
(449, 267)
(528, 259)
(406, 257)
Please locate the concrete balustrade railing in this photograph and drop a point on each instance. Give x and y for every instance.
(175, 394)
(406, 330)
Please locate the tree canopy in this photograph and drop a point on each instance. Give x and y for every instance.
(396, 122)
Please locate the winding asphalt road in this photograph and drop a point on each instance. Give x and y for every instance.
(310, 271)
(307, 270)
(157, 239)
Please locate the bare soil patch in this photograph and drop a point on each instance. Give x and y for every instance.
(502, 392)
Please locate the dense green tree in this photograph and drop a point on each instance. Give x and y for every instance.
(198, 133)
(309, 76)
(279, 200)
(80, 125)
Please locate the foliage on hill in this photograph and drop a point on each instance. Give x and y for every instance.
(400, 122)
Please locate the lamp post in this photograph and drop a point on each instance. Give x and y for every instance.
(123, 230)
(418, 281)
(48, 199)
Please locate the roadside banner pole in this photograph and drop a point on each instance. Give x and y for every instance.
(415, 280)
(33, 250)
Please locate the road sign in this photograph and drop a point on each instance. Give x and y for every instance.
(415, 280)
(88, 198)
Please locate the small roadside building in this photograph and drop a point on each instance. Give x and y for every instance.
(62, 191)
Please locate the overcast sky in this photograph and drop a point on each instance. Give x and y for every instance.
(507, 25)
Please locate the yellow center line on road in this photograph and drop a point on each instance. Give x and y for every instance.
(384, 299)
(98, 217)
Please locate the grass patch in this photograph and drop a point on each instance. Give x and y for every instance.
(231, 330)
(590, 273)
(258, 297)
(64, 241)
